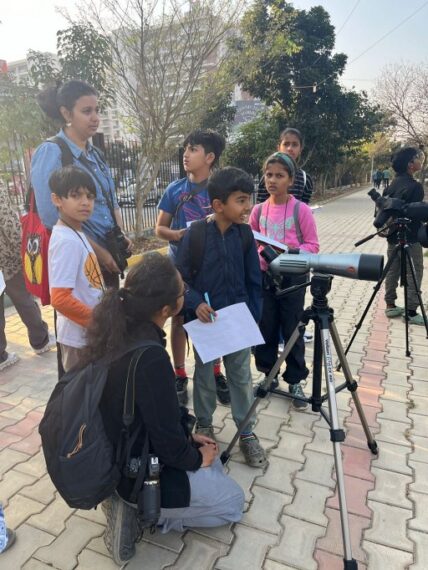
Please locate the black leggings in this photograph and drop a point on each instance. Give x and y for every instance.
(283, 313)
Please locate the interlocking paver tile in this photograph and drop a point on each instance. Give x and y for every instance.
(34, 564)
(221, 533)
(356, 462)
(327, 561)
(321, 442)
(199, 552)
(397, 411)
(20, 508)
(267, 427)
(384, 557)
(272, 565)
(297, 543)
(35, 466)
(356, 493)
(391, 488)
(63, 551)
(30, 444)
(393, 458)
(28, 540)
(12, 482)
(421, 552)
(265, 509)
(291, 447)
(393, 432)
(309, 502)
(244, 475)
(420, 450)
(396, 393)
(53, 518)
(151, 556)
(420, 484)
(420, 521)
(389, 526)
(317, 469)
(420, 388)
(332, 541)
(10, 458)
(42, 490)
(248, 550)
(88, 560)
(279, 475)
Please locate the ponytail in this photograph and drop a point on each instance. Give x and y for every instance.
(121, 315)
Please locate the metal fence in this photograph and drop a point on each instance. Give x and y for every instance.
(123, 158)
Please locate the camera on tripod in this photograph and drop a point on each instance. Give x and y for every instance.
(389, 209)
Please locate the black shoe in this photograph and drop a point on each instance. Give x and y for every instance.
(181, 388)
(296, 390)
(274, 385)
(222, 389)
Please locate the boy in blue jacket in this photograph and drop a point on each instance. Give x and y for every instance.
(230, 273)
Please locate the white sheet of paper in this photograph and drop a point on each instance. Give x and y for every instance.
(2, 283)
(234, 329)
(264, 239)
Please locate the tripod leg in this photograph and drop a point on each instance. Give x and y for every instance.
(403, 283)
(369, 304)
(352, 386)
(337, 435)
(262, 393)
(411, 263)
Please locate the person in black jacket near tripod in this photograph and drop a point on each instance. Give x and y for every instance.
(406, 162)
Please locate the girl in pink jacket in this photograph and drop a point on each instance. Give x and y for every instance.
(291, 222)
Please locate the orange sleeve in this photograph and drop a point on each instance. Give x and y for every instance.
(63, 301)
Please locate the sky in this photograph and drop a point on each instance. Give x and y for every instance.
(32, 24)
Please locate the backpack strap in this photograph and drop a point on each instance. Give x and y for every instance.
(197, 238)
(296, 211)
(247, 238)
(67, 156)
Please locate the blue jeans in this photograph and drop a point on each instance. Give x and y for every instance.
(238, 374)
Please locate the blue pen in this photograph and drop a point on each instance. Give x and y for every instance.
(207, 301)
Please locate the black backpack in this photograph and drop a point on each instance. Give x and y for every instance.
(197, 238)
(81, 460)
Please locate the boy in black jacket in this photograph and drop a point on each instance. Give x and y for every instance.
(229, 273)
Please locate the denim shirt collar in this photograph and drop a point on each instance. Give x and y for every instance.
(76, 150)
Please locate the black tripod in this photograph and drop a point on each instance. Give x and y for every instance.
(325, 331)
(402, 248)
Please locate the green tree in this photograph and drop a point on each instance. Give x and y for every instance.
(285, 57)
(83, 53)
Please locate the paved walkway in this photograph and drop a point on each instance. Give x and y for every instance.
(292, 518)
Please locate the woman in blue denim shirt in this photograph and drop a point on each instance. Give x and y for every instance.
(75, 107)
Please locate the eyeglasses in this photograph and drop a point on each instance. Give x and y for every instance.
(185, 291)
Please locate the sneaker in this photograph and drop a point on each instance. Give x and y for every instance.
(274, 385)
(11, 537)
(222, 389)
(50, 344)
(181, 388)
(205, 430)
(416, 320)
(296, 390)
(308, 336)
(252, 451)
(122, 529)
(7, 359)
(393, 312)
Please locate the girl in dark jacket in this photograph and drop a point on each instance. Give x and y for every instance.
(194, 489)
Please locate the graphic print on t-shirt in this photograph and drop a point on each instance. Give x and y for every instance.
(92, 271)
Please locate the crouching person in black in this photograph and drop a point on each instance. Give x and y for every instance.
(194, 489)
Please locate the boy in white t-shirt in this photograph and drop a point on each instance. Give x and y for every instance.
(75, 277)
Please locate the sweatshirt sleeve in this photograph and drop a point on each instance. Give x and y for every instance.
(64, 302)
(309, 230)
(157, 401)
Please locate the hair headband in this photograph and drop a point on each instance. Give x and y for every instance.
(288, 161)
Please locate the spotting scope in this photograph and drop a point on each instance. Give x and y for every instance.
(362, 266)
